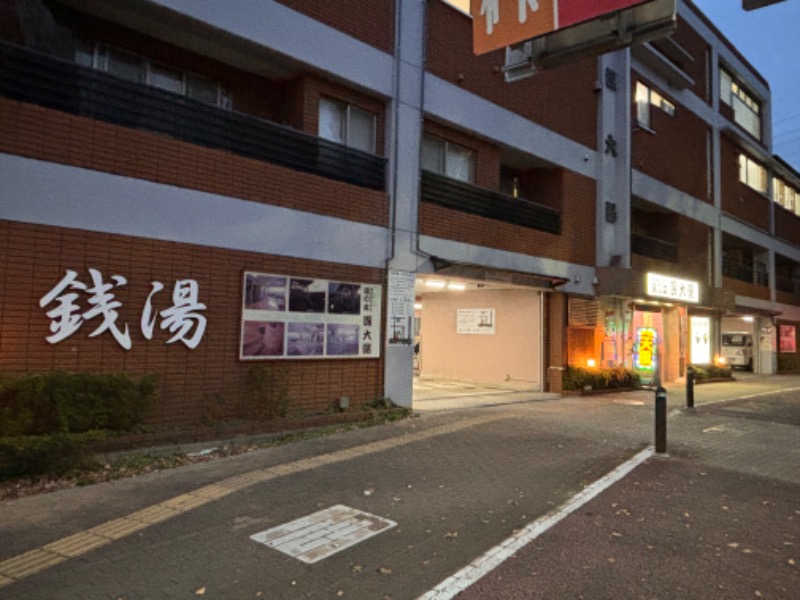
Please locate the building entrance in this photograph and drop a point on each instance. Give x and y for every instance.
(477, 334)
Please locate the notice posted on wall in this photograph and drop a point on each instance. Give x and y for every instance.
(475, 321)
(400, 308)
(289, 317)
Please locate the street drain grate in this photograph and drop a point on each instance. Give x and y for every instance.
(323, 533)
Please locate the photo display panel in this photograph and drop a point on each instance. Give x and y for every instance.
(291, 317)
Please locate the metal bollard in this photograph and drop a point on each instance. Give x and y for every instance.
(690, 388)
(661, 420)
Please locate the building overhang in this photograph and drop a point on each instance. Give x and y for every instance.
(484, 274)
(653, 57)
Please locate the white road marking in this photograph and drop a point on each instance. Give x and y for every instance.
(492, 559)
(323, 533)
(770, 393)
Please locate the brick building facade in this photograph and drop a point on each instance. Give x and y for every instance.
(342, 146)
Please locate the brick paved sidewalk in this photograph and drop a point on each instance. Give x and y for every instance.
(456, 483)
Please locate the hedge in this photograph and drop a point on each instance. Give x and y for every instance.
(47, 421)
(60, 402)
(602, 378)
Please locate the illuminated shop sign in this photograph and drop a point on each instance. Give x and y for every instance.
(75, 302)
(298, 317)
(645, 358)
(672, 288)
(700, 340)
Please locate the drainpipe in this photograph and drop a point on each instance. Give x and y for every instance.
(542, 361)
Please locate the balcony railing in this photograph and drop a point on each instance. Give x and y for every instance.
(35, 78)
(790, 285)
(756, 274)
(467, 198)
(644, 245)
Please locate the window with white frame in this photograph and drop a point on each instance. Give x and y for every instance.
(346, 124)
(139, 69)
(786, 195)
(645, 98)
(445, 158)
(746, 109)
(752, 174)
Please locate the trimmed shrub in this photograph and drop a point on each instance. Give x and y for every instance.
(62, 402)
(26, 409)
(266, 392)
(711, 372)
(603, 378)
(54, 454)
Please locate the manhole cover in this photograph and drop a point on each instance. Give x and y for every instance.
(323, 533)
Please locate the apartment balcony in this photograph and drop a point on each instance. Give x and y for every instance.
(666, 58)
(651, 247)
(787, 289)
(755, 274)
(31, 77)
(790, 285)
(456, 195)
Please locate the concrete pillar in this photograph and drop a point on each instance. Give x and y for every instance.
(614, 159)
(404, 155)
(556, 330)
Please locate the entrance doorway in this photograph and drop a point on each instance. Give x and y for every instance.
(739, 342)
(472, 335)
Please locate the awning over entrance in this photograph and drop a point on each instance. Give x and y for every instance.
(479, 273)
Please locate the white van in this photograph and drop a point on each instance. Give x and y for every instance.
(737, 350)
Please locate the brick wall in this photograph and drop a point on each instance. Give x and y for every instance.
(577, 223)
(787, 225)
(9, 23)
(40, 133)
(738, 199)
(194, 384)
(371, 21)
(560, 99)
(692, 263)
(693, 248)
(675, 151)
(787, 298)
(742, 288)
(697, 69)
